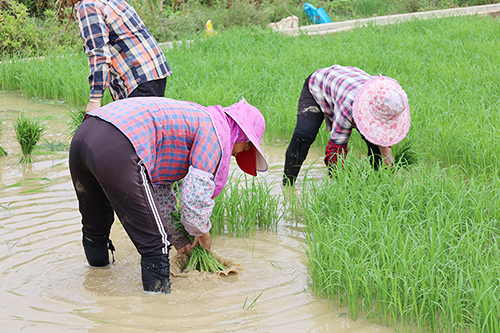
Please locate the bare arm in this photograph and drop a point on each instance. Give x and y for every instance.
(386, 156)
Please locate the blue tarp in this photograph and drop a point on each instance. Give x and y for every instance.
(316, 15)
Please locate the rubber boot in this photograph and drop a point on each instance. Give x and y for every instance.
(156, 273)
(97, 248)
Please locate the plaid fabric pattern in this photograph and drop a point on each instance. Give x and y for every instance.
(334, 89)
(168, 135)
(122, 52)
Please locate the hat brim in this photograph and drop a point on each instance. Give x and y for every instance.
(378, 132)
(259, 159)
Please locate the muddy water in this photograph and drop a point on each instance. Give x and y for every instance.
(46, 285)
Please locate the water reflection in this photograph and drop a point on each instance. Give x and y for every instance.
(45, 283)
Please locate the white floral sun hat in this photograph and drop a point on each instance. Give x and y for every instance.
(381, 111)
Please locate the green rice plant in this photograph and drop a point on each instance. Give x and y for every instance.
(244, 206)
(53, 145)
(28, 134)
(199, 258)
(75, 118)
(2, 151)
(252, 304)
(416, 250)
(405, 154)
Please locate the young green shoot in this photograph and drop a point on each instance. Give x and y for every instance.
(28, 134)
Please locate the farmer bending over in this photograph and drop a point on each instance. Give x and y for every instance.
(125, 151)
(347, 98)
(123, 55)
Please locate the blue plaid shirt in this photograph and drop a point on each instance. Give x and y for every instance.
(334, 89)
(168, 135)
(122, 52)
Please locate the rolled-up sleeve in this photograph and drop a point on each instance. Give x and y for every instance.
(95, 35)
(196, 201)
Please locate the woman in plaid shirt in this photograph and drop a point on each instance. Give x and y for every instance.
(348, 98)
(125, 157)
(123, 55)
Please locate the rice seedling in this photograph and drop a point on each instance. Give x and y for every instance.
(75, 118)
(405, 154)
(199, 258)
(244, 206)
(28, 134)
(252, 304)
(53, 145)
(412, 251)
(2, 151)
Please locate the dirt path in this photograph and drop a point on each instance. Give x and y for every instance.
(333, 27)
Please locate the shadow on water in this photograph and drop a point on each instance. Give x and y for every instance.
(45, 283)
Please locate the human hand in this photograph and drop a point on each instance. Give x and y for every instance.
(204, 241)
(93, 104)
(386, 156)
(183, 249)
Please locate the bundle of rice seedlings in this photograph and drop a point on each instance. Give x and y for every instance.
(406, 156)
(199, 259)
(28, 133)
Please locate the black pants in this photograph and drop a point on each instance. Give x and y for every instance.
(109, 177)
(309, 120)
(155, 88)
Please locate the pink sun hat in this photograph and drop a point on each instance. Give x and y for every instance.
(381, 111)
(253, 124)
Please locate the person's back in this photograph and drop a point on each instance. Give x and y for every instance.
(123, 54)
(168, 135)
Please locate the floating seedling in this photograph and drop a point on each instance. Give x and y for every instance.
(28, 133)
(53, 145)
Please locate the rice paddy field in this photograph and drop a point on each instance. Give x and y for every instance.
(412, 249)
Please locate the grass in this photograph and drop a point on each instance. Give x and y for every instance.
(28, 134)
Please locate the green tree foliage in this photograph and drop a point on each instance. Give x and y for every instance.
(37, 7)
(21, 33)
(17, 31)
